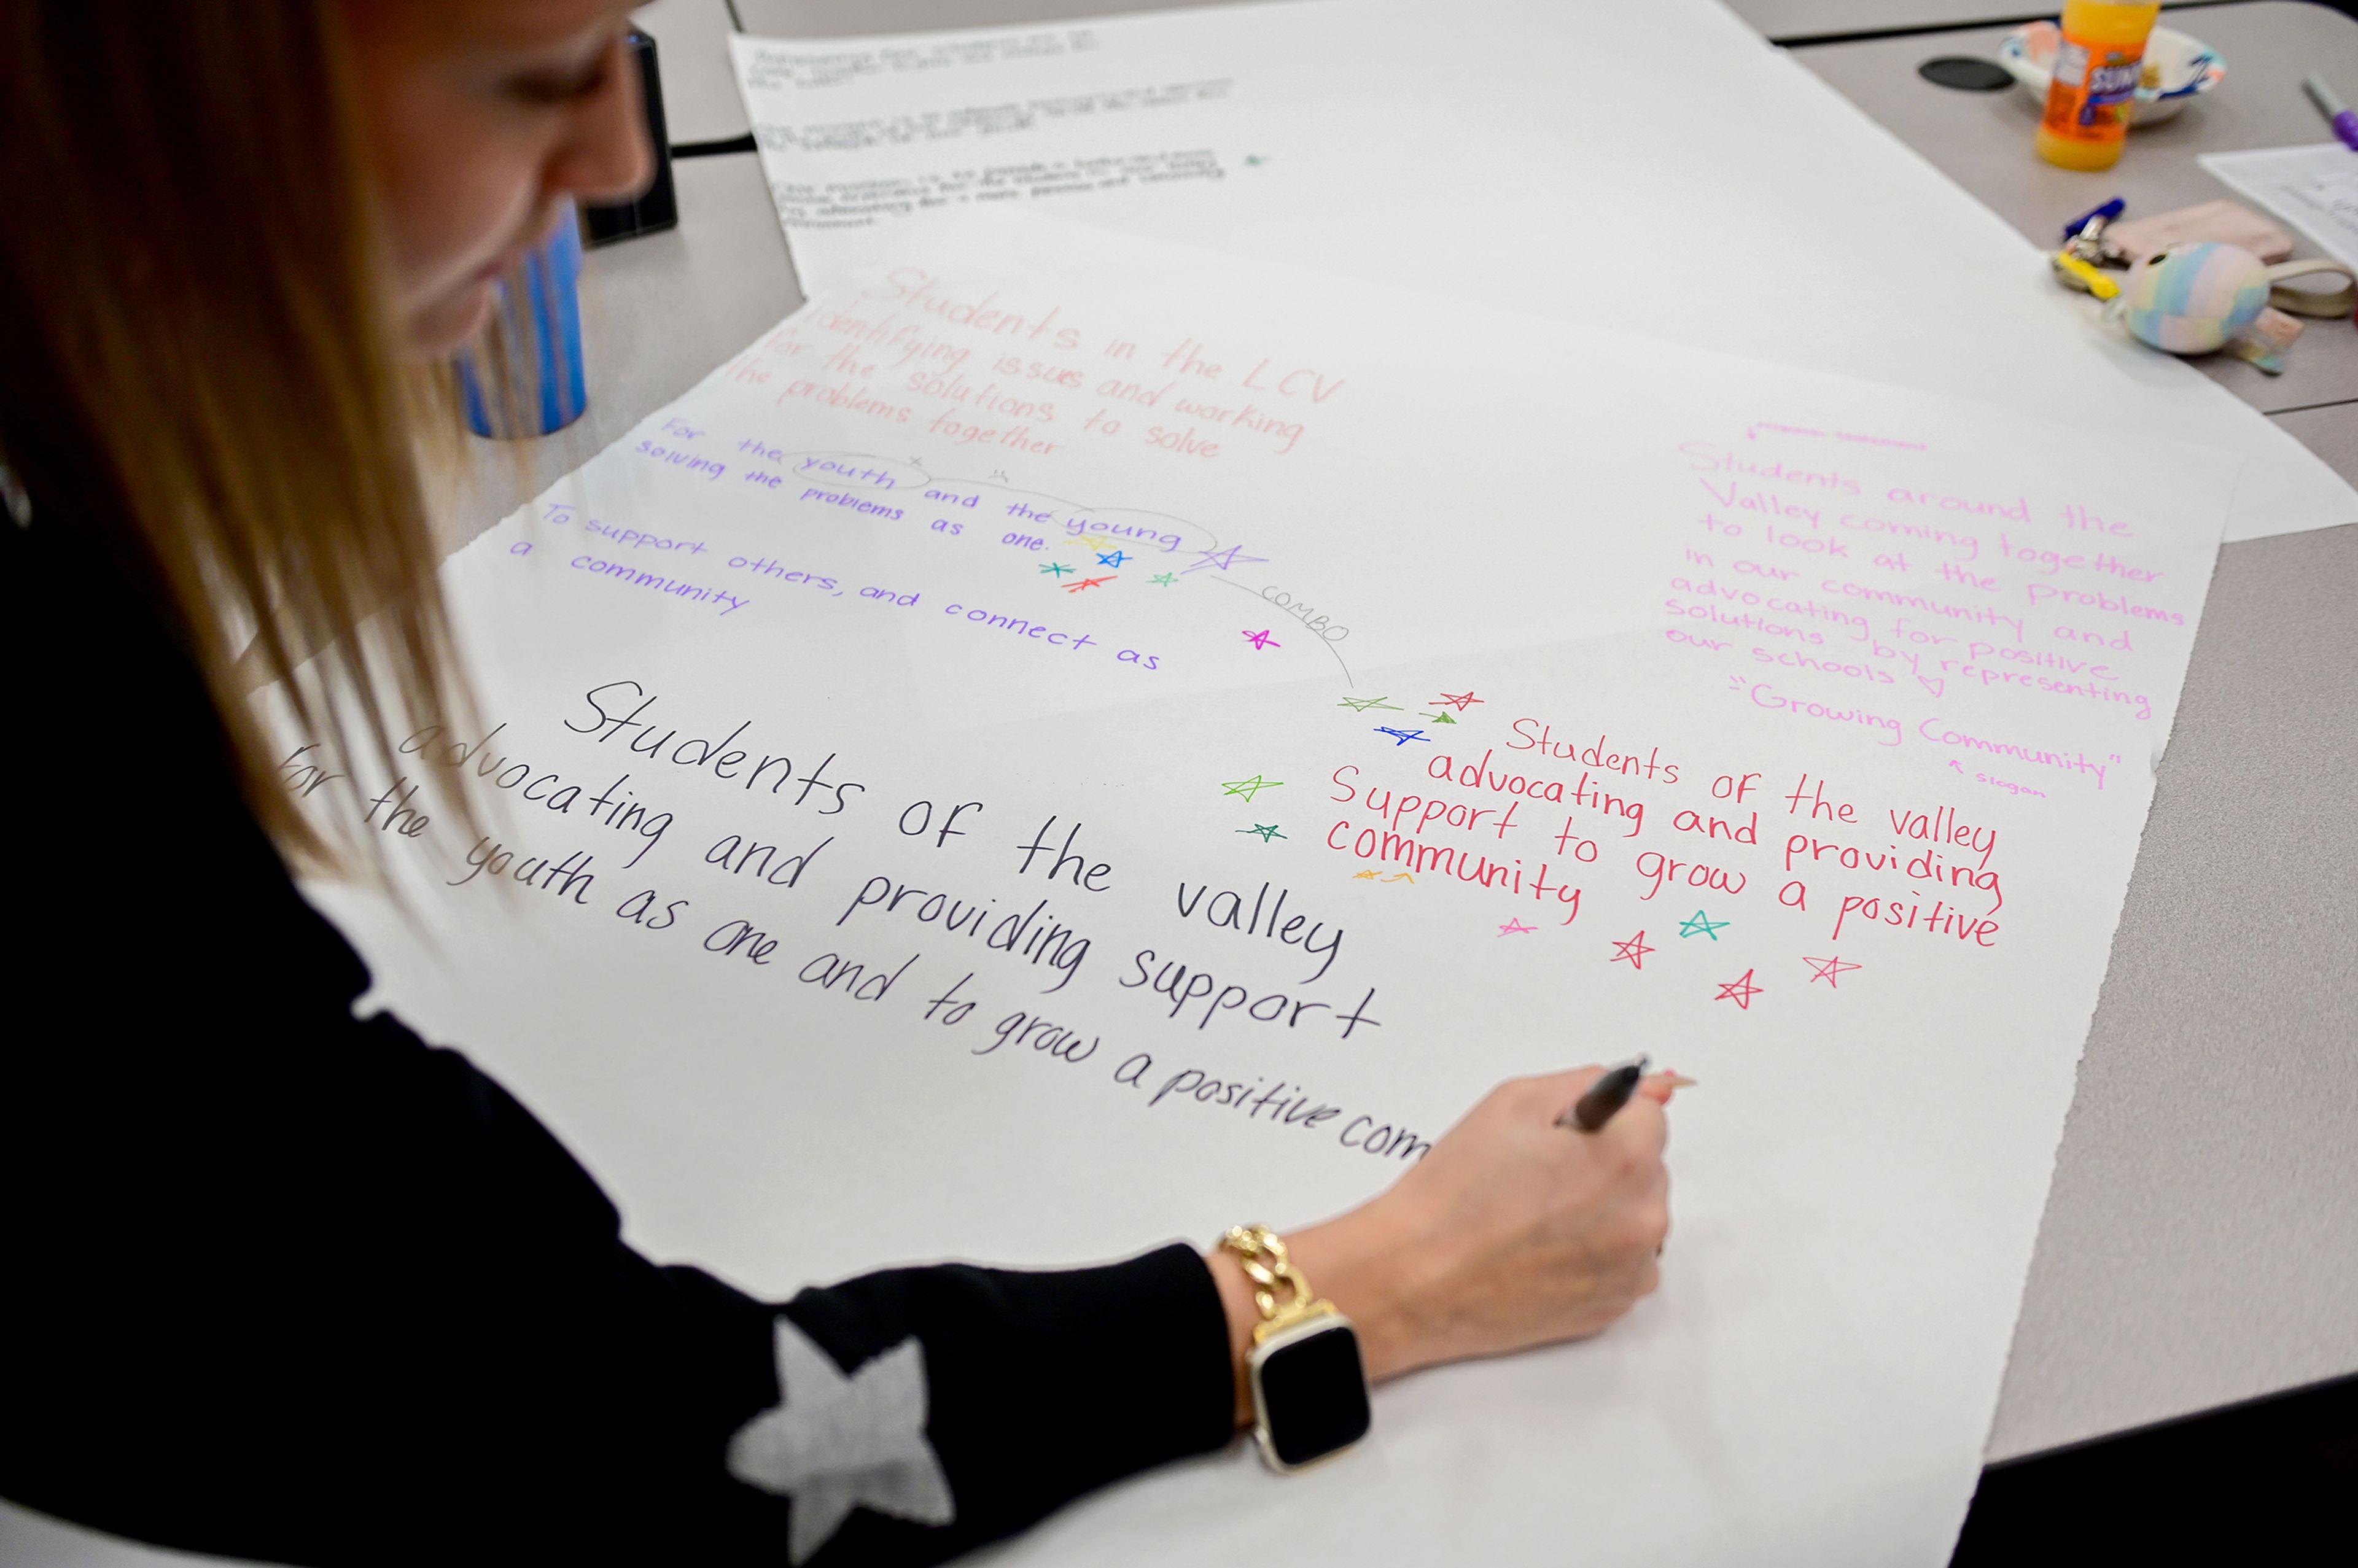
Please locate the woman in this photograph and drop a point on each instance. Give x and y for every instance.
(291, 1284)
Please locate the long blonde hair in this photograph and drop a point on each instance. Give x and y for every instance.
(196, 362)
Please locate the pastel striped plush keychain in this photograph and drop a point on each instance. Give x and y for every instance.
(2205, 296)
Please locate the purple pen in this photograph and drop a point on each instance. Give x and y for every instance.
(2337, 113)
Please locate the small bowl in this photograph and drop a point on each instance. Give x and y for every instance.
(2177, 69)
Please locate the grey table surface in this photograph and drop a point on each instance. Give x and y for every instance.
(1983, 141)
(1791, 20)
(2201, 1241)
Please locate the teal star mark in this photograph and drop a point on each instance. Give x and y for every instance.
(1055, 568)
(1701, 926)
(1268, 831)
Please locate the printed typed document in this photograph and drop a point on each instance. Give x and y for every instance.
(2314, 189)
(1069, 742)
(1517, 153)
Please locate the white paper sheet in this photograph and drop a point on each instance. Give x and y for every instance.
(1719, 653)
(1655, 169)
(2314, 189)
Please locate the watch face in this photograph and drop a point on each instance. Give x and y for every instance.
(1311, 1392)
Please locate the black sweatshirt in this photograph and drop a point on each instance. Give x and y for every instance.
(288, 1284)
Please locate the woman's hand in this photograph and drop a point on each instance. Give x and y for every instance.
(1513, 1232)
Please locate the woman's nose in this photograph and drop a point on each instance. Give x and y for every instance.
(607, 157)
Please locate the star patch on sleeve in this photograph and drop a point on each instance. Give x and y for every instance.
(836, 1441)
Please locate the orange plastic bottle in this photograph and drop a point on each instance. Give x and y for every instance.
(2096, 70)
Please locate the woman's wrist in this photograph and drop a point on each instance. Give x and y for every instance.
(1350, 1261)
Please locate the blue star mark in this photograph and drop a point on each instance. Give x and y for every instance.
(1115, 559)
(1402, 737)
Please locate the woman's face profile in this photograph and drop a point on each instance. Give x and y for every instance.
(478, 117)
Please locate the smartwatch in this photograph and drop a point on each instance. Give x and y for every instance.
(1309, 1386)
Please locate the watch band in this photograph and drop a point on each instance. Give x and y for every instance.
(1261, 1253)
(1308, 1382)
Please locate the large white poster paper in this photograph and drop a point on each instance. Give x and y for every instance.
(1065, 744)
(1652, 168)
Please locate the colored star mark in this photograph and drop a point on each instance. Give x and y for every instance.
(1830, 971)
(1225, 559)
(1400, 877)
(1164, 579)
(1634, 950)
(1251, 786)
(1439, 718)
(1268, 831)
(1363, 876)
(1514, 929)
(1402, 737)
(1460, 701)
(1365, 704)
(1117, 558)
(1703, 926)
(1086, 582)
(1740, 990)
(1057, 568)
(1260, 639)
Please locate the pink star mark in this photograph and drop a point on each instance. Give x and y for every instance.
(1634, 950)
(1261, 640)
(1514, 929)
(1830, 971)
(1740, 992)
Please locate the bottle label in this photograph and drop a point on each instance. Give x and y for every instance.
(2092, 91)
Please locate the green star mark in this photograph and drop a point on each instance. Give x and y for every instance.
(1366, 703)
(1250, 787)
(1055, 568)
(1268, 831)
(1163, 580)
(1703, 926)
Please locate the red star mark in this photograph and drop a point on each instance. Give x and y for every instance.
(1461, 701)
(1829, 970)
(1514, 929)
(1740, 992)
(1085, 582)
(1634, 949)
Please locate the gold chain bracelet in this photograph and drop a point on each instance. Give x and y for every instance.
(1261, 1253)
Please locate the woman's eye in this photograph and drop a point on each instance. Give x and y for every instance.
(563, 86)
